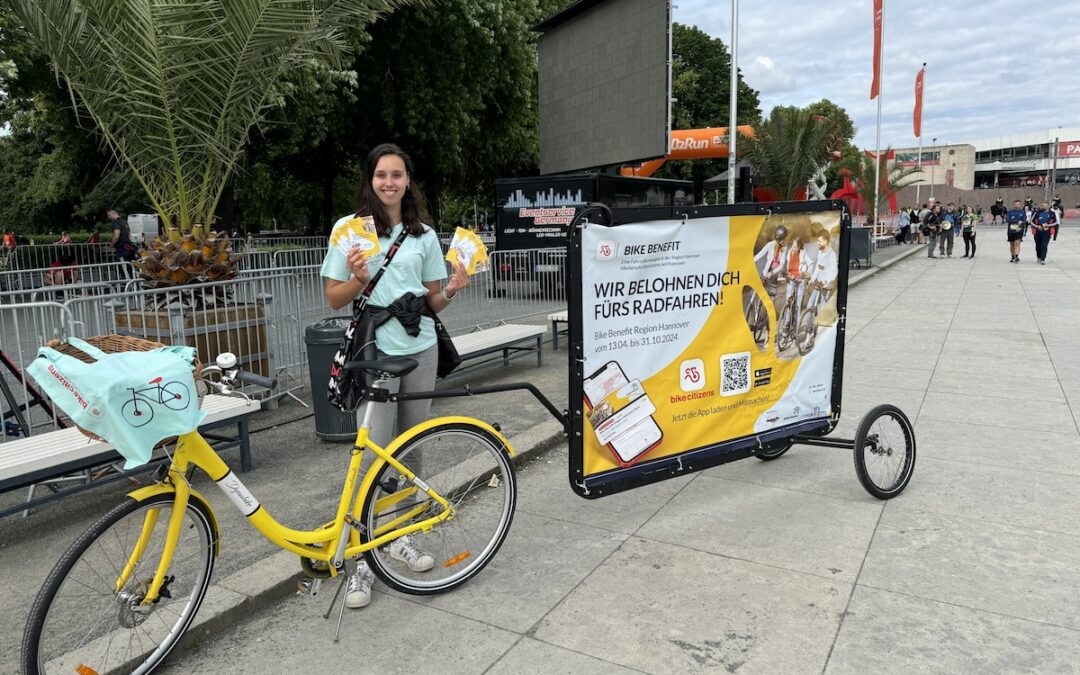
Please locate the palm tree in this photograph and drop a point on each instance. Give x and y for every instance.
(893, 178)
(174, 89)
(789, 148)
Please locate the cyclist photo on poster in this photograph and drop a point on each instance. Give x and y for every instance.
(796, 259)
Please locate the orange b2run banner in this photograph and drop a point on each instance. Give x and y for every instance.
(875, 86)
(698, 340)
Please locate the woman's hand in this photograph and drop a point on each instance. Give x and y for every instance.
(357, 264)
(458, 280)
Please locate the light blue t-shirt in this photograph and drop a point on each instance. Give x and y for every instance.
(419, 260)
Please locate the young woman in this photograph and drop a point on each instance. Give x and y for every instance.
(967, 227)
(418, 268)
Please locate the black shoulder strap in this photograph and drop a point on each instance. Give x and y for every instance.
(361, 302)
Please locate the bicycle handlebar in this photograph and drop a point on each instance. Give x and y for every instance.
(257, 380)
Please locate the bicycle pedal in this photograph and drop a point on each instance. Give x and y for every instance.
(308, 586)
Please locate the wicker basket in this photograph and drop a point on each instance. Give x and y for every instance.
(114, 344)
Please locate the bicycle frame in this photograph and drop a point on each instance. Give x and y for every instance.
(331, 543)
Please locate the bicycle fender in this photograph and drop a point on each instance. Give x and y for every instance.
(144, 493)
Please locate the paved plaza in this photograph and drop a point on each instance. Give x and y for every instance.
(751, 567)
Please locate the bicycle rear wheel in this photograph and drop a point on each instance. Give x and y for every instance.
(469, 467)
(79, 621)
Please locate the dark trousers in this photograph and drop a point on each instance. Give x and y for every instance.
(1042, 242)
(945, 241)
(902, 234)
(969, 240)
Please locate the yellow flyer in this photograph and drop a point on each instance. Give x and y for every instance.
(467, 248)
(357, 233)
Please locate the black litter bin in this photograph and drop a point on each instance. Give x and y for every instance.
(323, 339)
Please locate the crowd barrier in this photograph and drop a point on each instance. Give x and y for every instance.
(261, 315)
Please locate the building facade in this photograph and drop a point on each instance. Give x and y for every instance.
(1035, 159)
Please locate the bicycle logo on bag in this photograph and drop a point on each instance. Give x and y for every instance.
(139, 411)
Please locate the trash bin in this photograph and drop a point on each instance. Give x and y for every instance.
(323, 339)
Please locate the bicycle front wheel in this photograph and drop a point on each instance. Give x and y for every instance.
(469, 467)
(80, 622)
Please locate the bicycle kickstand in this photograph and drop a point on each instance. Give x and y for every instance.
(350, 569)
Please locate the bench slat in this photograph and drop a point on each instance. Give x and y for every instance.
(63, 446)
(495, 336)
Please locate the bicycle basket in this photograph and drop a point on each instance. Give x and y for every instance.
(130, 399)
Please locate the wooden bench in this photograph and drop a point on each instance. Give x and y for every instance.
(505, 338)
(53, 457)
(556, 318)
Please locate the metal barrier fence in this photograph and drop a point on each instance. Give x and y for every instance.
(12, 281)
(23, 328)
(260, 316)
(38, 256)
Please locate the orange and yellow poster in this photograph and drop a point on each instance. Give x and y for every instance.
(696, 332)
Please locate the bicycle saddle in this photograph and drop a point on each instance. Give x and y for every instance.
(394, 366)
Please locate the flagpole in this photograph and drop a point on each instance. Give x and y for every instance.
(922, 95)
(877, 134)
(733, 102)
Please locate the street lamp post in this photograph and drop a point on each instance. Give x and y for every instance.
(933, 165)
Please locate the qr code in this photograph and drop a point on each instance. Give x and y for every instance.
(734, 374)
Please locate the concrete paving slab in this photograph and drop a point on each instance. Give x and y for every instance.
(531, 656)
(997, 385)
(804, 468)
(1028, 499)
(999, 446)
(381, 638)
(997, 412)
(890, 633)
(1009, 570)
(902, 373)
(1037, 366)
(545, 491)
(516, 589)
(689, 611)
(740, 520)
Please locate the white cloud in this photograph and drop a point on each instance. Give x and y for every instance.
(979, 83)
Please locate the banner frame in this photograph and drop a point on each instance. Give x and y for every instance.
(652, 471)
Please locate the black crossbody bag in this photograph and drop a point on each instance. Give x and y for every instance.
(348, 389)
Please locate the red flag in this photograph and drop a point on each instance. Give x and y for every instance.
(875, 87)
(917, 119)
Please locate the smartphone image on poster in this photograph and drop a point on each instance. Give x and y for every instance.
(621, 414)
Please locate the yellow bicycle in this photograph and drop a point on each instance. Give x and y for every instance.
(125, 592)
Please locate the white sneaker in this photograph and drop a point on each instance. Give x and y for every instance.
(405, 550)
(358, 588)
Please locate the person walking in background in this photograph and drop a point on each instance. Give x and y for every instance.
(904, 229)
(9, 241)
(967, 228)
(1058, 210)
(931, 220)
(121, 240)
(1015, 225)
(95, 237)
(1041, 221)
(64, 238)
(947, 233)
(409, 292)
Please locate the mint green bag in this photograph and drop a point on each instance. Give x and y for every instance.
(133, 400)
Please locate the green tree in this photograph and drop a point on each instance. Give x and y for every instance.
(789, 148)
(700, 85)
(453, 84)
(174, 89)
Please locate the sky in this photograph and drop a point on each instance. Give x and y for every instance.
(994, 67)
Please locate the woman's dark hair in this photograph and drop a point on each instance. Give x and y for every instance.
(369, 204)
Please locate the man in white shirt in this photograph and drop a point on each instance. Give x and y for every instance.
(826, 268)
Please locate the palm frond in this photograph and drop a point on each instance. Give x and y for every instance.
(176, 86)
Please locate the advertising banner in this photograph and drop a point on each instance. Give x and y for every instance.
(701, 337)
